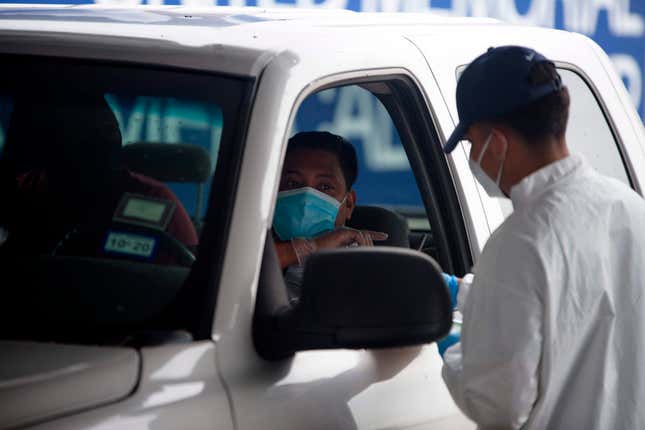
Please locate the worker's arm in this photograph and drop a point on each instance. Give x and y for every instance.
(492, 373)
(458, 288)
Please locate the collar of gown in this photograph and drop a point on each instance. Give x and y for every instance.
(532, 186)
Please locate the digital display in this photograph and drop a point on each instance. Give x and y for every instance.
(150, 212)
(145, 210)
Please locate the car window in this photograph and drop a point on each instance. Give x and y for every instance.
(106, 174)
(159, 152)
(589, 132)
(387, 124)
(385, 177)
(403, 185)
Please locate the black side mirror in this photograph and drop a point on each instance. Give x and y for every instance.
(355, 298)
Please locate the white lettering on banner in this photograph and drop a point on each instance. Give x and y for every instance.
(197, 3)
(358, 115)
(579, 15)
(153, 120)
(335, 4)
(130, 129)
(539, 13)
(628, 69)
(473, 7)
(118, 2)
(381, 5)
(582, 16)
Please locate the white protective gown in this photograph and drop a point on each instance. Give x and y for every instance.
(554, 322)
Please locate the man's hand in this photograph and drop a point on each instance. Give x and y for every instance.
(297, 250)
(345, 236)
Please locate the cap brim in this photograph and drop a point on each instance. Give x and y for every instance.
(455, 137)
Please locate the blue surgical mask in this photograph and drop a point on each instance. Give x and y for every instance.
(304, 213)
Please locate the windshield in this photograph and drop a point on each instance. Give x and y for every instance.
(109, 169)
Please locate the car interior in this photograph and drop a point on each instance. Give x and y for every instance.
(106, 182)
(396, 225)
(59, 272)
(175, 163)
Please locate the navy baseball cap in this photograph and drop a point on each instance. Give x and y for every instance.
(497, 83)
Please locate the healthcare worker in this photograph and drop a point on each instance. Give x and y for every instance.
(553, 332)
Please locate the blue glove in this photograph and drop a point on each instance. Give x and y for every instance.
(447, 342)
(453, 287)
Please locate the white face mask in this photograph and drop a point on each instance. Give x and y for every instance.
(492, 187)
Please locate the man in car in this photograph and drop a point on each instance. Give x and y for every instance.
(315, 200)
(554, 325)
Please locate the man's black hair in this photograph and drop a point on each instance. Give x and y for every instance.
(326, 141)
(545, 117)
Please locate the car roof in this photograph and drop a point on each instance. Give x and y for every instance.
(238, 41)
(222, 17)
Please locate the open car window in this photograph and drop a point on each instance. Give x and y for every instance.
(385, 178)
(398, 183)
(401, 187)
(106, 176)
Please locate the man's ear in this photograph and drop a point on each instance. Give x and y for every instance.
(499, 143)
(350, 203)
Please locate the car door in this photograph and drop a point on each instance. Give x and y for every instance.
(388, 388)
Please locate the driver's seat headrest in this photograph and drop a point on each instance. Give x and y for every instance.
(380, 219)
(168, 162)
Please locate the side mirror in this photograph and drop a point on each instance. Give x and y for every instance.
(355, 298)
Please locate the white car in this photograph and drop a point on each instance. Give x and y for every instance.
(141, 157)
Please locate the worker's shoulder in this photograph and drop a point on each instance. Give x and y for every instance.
(577, 212)
(604, 194)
